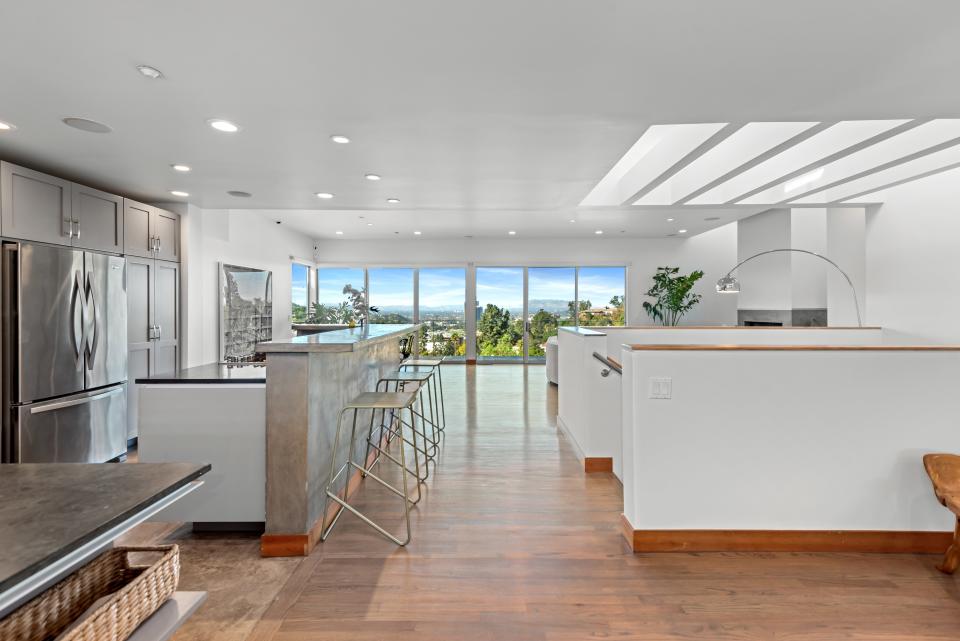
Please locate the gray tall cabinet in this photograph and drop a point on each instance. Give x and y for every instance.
(38, 207)
(153, 295)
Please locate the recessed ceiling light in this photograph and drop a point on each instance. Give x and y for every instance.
(181, 168)
(6, 126)
(669, 220)
(223, 125)
(598, 232)
(393, 201)
(181, 194)
(369, 224)
(681, 231)
(150, 72)
(372, 176)
(340, 140)
(324, 195)
(512, 233)
(338, 233)
(85, 124)
(416, 233)
(239, 194)
(573, 220)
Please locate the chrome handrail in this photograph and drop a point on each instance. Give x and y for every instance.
(609, 363)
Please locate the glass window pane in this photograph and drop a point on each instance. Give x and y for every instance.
(299, 291)
(333, 306)
(442, 292)
(552, 296)
(499, 313)
(602, 296)
(391, 292)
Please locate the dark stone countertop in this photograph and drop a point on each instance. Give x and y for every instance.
(210, 374)
(48, 510)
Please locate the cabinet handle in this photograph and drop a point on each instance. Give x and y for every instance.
(159, 332)
(69, 228)
(77, 223)
(158, 245)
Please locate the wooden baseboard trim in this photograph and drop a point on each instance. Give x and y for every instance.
(273, 545)
(593, 464)
(873, 541)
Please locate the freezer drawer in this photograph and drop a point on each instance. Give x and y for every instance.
(83, 428)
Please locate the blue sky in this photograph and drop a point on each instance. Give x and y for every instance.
(444, 286)
(330, 282)
(503, 286)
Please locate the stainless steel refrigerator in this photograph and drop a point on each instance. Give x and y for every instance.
(64, 354)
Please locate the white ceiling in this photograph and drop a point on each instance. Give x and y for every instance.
(487, 112)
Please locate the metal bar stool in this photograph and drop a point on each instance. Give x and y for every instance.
(434, 366)
(396, 402)
(431, 441)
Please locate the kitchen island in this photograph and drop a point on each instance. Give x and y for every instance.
(309, 379)
(54, 518)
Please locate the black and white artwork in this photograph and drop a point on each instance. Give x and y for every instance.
(246, 312)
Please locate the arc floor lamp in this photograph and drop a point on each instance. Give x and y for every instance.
(730, 285)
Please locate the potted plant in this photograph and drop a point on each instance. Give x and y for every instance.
(672, 295)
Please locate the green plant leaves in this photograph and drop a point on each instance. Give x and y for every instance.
(672, 295)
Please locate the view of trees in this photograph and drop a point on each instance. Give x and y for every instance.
(501, 334)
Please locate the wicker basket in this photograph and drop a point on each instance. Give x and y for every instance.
(133, 593)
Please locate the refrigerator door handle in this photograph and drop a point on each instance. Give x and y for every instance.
(93, 308)
(76, 313)
(51, 407)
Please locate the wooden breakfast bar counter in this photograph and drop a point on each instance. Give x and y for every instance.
(309, 379)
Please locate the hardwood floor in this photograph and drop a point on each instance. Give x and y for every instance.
(512, 541)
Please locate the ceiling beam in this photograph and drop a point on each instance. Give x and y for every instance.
(887, 165)
(843, 153)
(698, 151)
(753, 162)
(844, 201)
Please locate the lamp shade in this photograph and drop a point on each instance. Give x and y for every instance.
(728, 285)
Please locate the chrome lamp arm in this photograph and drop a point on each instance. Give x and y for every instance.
(729, 285)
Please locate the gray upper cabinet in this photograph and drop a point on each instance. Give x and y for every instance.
(166, 229)
(138, 241)
(150, 232)
(35, 206)
(98, 220)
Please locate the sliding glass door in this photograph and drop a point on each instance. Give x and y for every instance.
(500, 314)
(391, 293)
(551, 298)
(441, 295)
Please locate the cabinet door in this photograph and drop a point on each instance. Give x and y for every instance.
(98, 218)
(140, 343)
(165, 227)
(34, 206)
(166, 317)
(137, 237)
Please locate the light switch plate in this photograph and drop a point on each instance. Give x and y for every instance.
(661, 387)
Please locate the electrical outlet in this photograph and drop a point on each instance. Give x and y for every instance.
(661, 387)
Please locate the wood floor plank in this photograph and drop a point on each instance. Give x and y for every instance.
(514, 542)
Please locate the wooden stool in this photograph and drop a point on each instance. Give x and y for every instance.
(944, 471)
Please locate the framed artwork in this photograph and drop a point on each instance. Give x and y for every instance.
(246, 312)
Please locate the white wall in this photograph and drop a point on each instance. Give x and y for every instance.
(913, 244)
(846, 246)
(808, 231)
(765, 282)
(714, 252)
(711, 457)
(211, 236)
